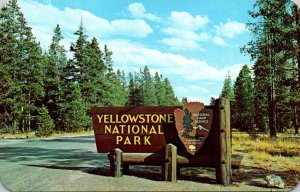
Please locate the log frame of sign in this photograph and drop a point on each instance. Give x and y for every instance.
(223, 142)
(169, 165)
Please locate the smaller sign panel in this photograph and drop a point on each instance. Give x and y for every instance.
(193, 123)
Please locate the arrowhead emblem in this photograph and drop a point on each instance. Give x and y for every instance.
(193, 123)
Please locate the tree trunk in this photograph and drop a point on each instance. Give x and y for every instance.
(296, 121)
(271, 107)
(296, 110)
(297, 18)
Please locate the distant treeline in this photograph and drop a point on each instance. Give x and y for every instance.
(267, 98)
(44, 91)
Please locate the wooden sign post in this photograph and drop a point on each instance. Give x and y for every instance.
(171, 137)
(223, 142)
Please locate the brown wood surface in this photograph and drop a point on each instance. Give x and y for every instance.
(116, 160)
(182, 161)
(107, 143)
(228, 143)
(170, 163)
(223, 142)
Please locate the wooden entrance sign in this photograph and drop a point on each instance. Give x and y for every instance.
(169, 136)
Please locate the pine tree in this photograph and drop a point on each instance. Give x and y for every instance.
(22, 57)
(75, 117)
(115, 92)
(76, 67)
(270, 49)
(134, 92)
(8, 67)
(184, 100)
(295, 81)
(57, 61)
(212, 101)
(227, 90)
(45, 124)
(159, 89)
(243, 104)
(148, 88)
(170, 98)
(94, 84)
(119, 94)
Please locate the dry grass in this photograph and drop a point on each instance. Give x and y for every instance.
(271, 154)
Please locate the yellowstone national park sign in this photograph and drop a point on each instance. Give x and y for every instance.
(148, 129)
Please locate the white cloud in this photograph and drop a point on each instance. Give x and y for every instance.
(126, 27)
(219, 41)
(127, 53)
(192, 88)
(230, 29)
(186, 21)
(179, 44)
(138, 10)
(45, 17)
(185, 32)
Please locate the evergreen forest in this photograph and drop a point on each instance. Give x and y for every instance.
(45, 91)
(48, 91)
(266, 97)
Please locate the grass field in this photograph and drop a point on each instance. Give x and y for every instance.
(280, 156)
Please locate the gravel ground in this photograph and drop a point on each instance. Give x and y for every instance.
(72, 164)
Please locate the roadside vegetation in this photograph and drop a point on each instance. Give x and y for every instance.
(282, 153)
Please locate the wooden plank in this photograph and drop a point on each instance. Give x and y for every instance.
(143, 158)
(205, 160)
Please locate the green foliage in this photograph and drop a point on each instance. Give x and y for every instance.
(36, 86)
(21, 68)
(227, 90)
(183, 100)
(45, 124)
(169, 97)
(134, 96)
(148, 88)
(56, 62)
(75, 117)
(159, 89)
(242, 106)
(274, 49)
(143, 89)
(212, 101)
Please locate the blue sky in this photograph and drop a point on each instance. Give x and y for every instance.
(194, 43)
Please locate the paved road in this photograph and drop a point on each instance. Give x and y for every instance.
(72, 164)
